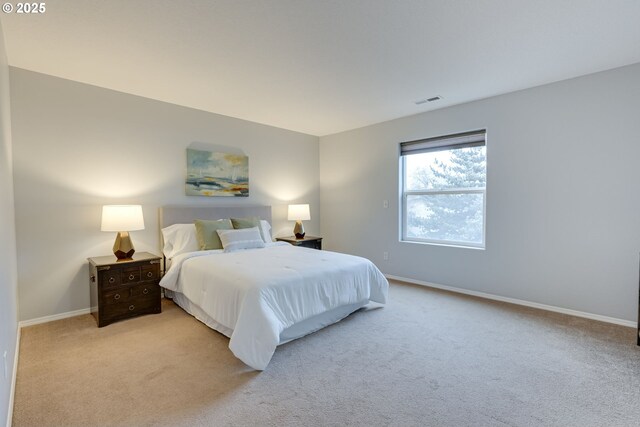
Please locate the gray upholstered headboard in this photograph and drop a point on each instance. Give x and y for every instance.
(187, 214)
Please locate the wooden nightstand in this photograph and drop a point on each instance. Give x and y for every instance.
(307, 242)
(121, 289)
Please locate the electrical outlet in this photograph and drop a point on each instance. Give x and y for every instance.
(385, 255)
(6, 370)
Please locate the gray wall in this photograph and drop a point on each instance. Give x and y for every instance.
(77, 147)
(563, 201)
(8, 274)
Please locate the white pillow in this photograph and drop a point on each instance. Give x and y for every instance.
(179, 239)
(265, 227)
(243, 238)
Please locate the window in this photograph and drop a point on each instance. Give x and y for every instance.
(443, 189)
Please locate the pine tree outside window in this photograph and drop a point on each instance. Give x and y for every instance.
(444, 189)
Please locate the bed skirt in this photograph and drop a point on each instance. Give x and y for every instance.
(293, 332)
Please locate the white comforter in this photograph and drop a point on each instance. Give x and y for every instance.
(258, 293)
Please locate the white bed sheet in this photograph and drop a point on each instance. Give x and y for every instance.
(256, 294)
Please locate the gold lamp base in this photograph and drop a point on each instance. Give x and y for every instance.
(298, 230)
(123, 247)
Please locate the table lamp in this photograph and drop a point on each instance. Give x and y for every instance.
(299, 213)
(122, 219)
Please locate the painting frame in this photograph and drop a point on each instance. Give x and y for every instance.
(216, 174)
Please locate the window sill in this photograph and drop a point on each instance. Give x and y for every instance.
(445, 244)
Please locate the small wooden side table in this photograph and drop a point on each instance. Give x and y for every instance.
(312, 242)
(121, 289)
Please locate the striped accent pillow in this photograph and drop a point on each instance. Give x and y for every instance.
(244, 238)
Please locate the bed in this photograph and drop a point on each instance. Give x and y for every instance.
(264, 297)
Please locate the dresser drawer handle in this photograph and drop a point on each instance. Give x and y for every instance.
(132, 307)
(150, 274)
(112, 279)
(116, 297)
(145, 291)
(131, 277)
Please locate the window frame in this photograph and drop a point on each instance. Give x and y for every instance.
(465, 190)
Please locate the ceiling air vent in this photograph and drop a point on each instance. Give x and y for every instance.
(424, 101)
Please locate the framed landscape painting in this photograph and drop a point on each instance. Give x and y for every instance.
(217, 174)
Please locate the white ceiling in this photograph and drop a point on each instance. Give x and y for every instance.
(322, 66)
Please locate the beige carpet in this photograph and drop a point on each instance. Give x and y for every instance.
(429, 358)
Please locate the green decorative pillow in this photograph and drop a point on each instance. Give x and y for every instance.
(239, 223)
(207, 235)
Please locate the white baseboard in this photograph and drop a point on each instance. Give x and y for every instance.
(546, 307)
(51, 318)
(14, 375)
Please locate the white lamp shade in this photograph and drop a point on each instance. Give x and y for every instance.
(299, 213)
(122, 218)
